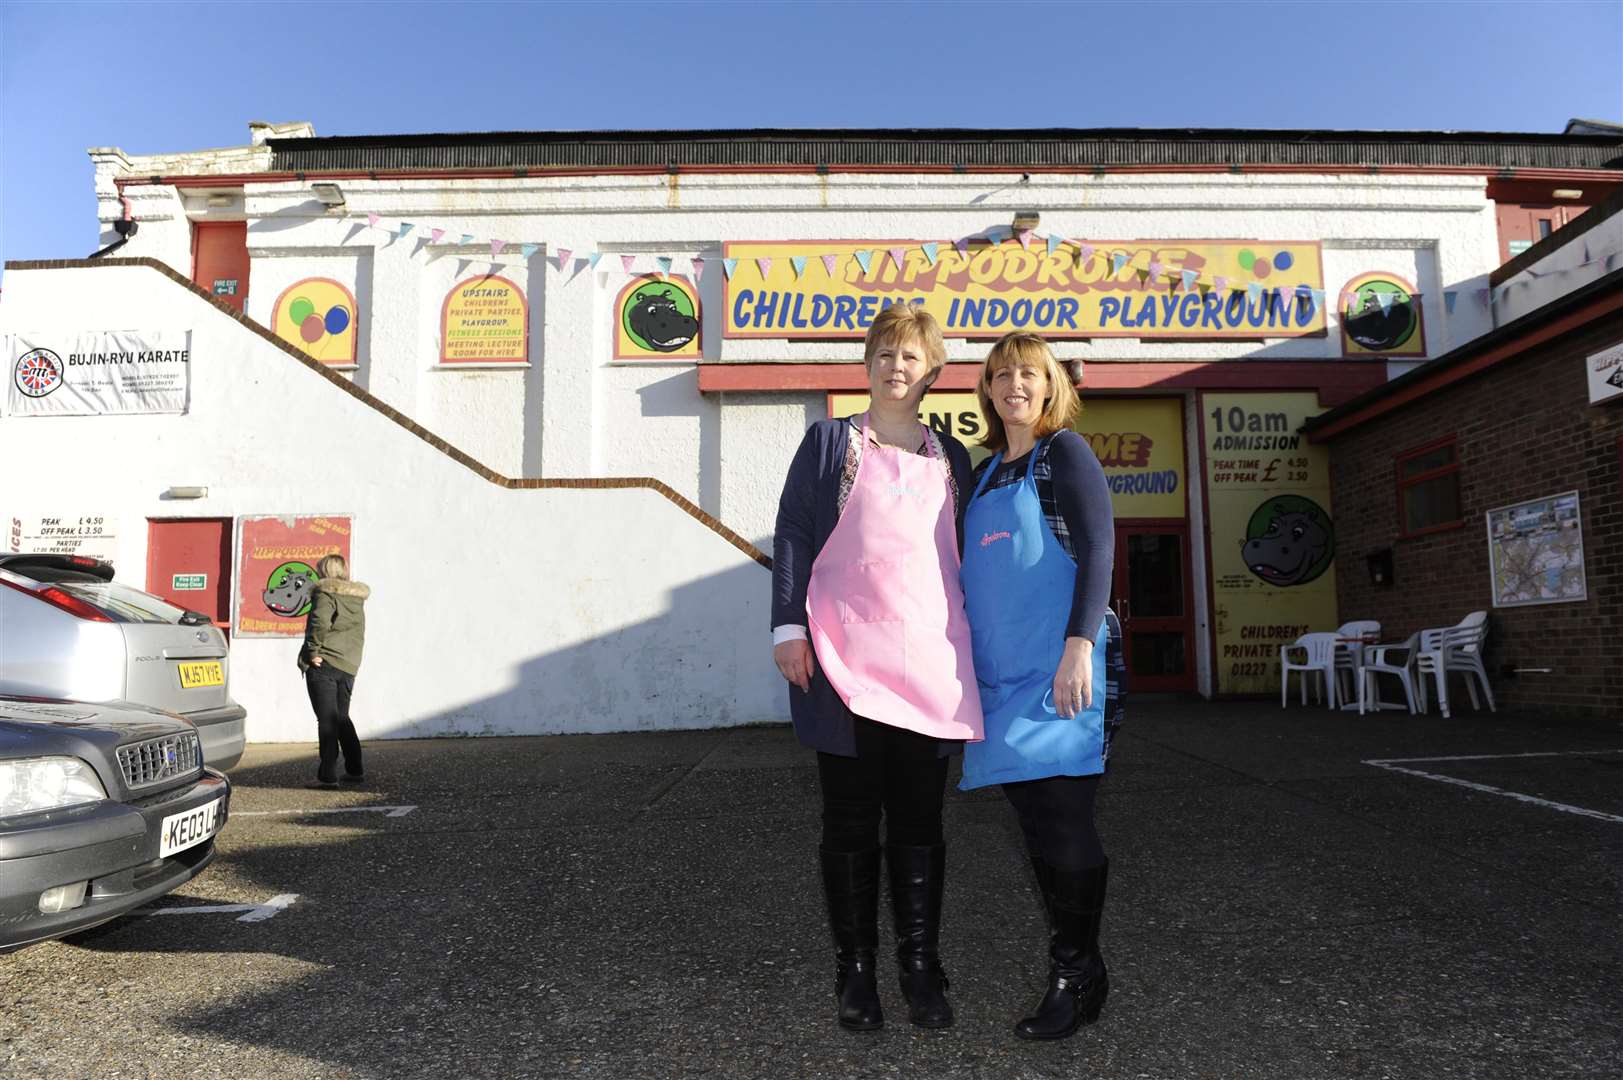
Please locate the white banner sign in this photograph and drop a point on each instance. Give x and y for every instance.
(70, 534)
(1605, 374)
(88, 373)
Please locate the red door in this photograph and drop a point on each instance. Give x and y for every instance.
(189, 565)
(220, 260)
(1153, 598)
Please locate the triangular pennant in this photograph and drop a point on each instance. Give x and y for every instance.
(1155, 268)
(1318, 299)
(1587, 259)
(405, 227)
(865, 259)
(930, 251)
(563, 259)
(1611, 261)
(1287, 297)
(830, 262)
(1385, 300)
(962, 246)
(372, 220)
(467, 238)
(496, 247)
(1204, 288)
(1024, 236)
(1144, 278)
(664, 264)
(1117, 261)
(1221, 283)
(1253, 291)
(728, 266)
(1189, 279)
(698, 268)
(899, 257)
(628, 262)
(1085, 252)
(765, 263)
(434, 235)
(591, 260)
(529, 249)
(799, 264)
(1484, 296)
(1054, 242)
(1449, 298)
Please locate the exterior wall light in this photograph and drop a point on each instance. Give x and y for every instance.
(186, 493)
(1568, 193)
(329, 194)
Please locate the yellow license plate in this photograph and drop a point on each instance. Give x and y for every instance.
(202, 673)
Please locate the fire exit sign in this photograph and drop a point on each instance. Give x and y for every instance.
(188, 582)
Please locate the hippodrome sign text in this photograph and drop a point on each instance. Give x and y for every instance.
(991, 289)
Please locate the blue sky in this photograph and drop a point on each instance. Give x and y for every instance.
(152, 77)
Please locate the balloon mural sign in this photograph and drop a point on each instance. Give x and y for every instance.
(317, 315)
(276, 570)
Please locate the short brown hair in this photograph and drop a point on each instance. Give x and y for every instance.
(904, 322)
(1059, 409)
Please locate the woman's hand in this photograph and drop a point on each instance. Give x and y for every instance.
(1073, 682)
(794, 659)
(315, 661)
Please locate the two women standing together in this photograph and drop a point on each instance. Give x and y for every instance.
(920, 607)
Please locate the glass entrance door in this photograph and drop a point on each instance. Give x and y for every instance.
(1152, 597)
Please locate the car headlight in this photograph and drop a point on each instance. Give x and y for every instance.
(28, 785)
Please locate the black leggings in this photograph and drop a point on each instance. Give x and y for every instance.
(899, 773)
(1056, 814)
(330, 690)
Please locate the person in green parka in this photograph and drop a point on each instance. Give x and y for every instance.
(334, 634)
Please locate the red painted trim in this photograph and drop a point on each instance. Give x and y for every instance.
(445, 311)
(1599, 307)
(1336, 381)
(1402, 483)
(536, 172)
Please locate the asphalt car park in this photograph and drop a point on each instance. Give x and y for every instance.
(1294, 893)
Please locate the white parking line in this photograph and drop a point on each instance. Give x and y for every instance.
(386, 811)
(254, 912)
(1393, 765)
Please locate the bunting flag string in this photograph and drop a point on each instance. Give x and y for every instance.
(928, 249)
(664, 263)
(865, 259)
(698, 268)
(798, 262)
(528, 250)
(628, 262)
(830, 262)
(728, 266)
(899, 257)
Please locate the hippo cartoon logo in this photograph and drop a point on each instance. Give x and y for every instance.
(287, 590)
(1290, 540)
(1382, 315)
(659, 316)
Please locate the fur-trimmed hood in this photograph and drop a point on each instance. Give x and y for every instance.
(341, 587)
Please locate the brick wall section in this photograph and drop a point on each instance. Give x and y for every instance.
(1525, 429)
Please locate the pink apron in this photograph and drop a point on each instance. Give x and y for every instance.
(884, 605)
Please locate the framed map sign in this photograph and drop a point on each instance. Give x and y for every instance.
(1536, 552)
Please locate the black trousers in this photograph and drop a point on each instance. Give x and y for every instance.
(330, 690)
(898, 775)
(1056, 814)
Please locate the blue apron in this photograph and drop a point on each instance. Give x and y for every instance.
(1018, 583)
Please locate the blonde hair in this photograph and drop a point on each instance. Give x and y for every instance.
(1026, 349)
(903, 323)
(333, 566)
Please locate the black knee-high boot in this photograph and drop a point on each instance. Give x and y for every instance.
(1078, 981)
(917, 877)
(851, 885)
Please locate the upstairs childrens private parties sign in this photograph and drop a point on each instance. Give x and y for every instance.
(1197, 289)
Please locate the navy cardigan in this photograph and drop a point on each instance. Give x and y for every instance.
(808, 510)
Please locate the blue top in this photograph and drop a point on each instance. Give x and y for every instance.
(808, 510)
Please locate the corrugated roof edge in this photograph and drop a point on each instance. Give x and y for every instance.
(1527, 324)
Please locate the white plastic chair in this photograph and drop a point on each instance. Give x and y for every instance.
(1461, 652)
(1350, 654)
(1320, 650)
(1383, 660)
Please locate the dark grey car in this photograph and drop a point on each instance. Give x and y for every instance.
(103, 808)
(70, 631)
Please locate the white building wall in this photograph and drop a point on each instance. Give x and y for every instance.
(1569, 267)
(494, 611)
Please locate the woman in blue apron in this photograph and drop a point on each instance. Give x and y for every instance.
(1039, 545)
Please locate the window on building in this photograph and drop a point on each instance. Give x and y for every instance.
(1429, 488)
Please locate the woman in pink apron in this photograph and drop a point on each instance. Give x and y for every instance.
(1036, 581)
(868, 628)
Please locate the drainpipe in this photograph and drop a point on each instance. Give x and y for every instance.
(125, 226)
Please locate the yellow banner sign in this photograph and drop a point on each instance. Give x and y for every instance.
(1273, 541)
(1139, 441)
(1198, 289)
(484, 321)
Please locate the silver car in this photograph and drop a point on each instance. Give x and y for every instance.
(68, 630)
(103, 808)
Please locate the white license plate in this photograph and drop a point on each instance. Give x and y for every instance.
(190, 828)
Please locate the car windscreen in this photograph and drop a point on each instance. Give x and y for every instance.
(122, 602)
